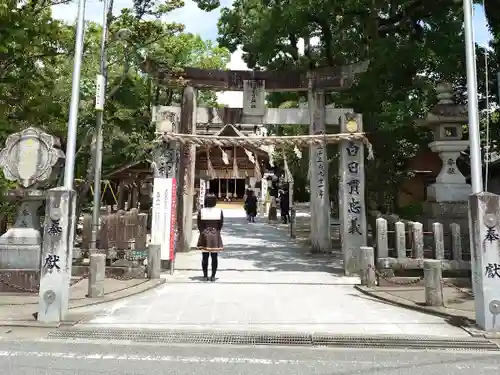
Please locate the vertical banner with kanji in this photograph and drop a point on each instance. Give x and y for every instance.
(203, 192)
(164, 216)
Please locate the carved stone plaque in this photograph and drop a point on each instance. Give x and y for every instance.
(30, 156)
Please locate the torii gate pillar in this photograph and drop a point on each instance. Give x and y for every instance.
(185, 197)
(318, 177)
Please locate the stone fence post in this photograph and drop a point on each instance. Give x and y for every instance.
(57, 248)
(433, 282)
(415, 232)
(437, 230)
(367, 266)
(154, 261)
(97, 273)
(381, 238)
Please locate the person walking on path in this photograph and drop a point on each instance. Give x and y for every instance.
(285, 206)
(251, 206)
(210, 220)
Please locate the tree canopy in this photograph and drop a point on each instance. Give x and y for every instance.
(411, 46)
(36, 64)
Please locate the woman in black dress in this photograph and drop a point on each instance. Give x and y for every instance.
(210, 221)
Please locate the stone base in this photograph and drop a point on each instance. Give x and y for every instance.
(273, 214)
(21, 281)
(447, 213)
(20, 248)
(440, 192)
(113, 272)
(165, 264)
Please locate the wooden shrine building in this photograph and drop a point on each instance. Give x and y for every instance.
(229, 171)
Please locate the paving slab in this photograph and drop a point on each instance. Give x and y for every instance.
(458, 302)
(18, 309)
(266, 282)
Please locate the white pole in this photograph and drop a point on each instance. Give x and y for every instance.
(476, 164)
(100, 99)
(69, 167)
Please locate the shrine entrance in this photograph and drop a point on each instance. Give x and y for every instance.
(232, 189)
(228, 171)
(193, 140)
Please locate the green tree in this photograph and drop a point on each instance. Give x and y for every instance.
(36, 63)
(411, 45)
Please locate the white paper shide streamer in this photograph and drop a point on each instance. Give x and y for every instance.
(250, 156)
(236, 173)
(297, 152)
(225, 157)
(210, 168)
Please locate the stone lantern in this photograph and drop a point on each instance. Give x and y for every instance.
(447, 197)
(446, 119)
(32, 159)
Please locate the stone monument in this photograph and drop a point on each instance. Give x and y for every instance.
(447, 198)
(32, 159)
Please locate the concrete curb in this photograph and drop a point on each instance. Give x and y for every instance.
(111, 297)
(34, 300)
(119, 294)
(401, 302)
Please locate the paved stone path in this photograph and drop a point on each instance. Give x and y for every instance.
(265, 283)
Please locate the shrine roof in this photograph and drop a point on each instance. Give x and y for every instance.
(132, 169)
(230, 131)
(327, 78)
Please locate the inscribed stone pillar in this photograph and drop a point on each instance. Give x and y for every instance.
(484, 217)
(57, 248)
(318, 177)
(263, 196)
(187, 170)
(352, 210)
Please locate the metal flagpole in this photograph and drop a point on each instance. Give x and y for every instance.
(69, 167)
(99, 106)
(474, 136)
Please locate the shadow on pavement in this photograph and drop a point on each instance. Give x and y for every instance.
(269, 249)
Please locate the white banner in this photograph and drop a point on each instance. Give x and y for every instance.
(164, 215)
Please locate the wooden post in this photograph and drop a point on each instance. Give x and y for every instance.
(318, 177)
(121, 195)
(187, 170)
(352, 210)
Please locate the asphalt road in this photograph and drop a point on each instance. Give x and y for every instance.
(116, 358)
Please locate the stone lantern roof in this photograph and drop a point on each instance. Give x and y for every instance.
(446, 110)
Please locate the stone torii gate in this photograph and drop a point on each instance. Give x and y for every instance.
(177, 126)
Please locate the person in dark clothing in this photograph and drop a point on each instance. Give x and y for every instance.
(210, 220)
(285, 206)
(251, 206)
(247, 191)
